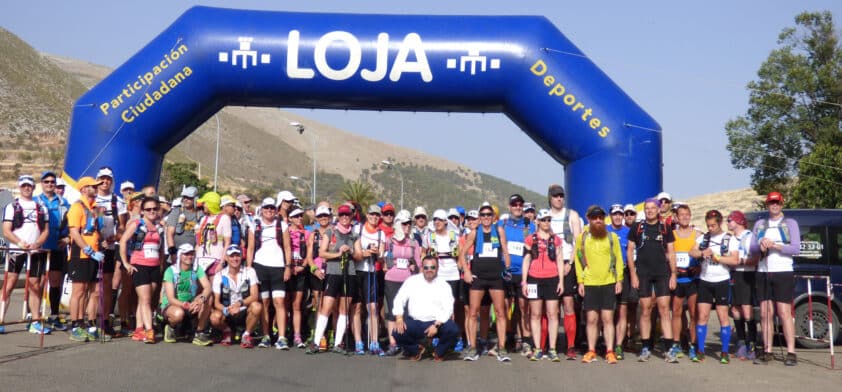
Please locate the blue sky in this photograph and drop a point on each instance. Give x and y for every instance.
(686, 63)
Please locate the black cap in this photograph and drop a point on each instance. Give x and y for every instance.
(594, 211)
(515, 198)
(555, 190)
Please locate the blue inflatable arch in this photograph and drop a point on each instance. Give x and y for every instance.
(519, 65)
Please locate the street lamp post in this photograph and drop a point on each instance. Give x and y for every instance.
(309, 186)
(300, 128)
(216, 161)
(392, 165)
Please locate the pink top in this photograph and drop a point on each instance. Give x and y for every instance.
(298, 244)
(150, 253)
(402, 252)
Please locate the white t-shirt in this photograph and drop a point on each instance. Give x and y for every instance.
(270, 253)
(448, 269)
(245, 274)
(367, 240)
(713, 271)
(774, 261)
(744, 242)
(557, 224)
(29, 231)
(109, 227)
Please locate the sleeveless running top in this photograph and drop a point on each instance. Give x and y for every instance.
(684, 263)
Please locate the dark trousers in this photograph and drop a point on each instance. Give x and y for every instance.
(414, 335)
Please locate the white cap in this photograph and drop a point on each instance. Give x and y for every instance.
(664, 195)
(285, 196)
(126, 185)
(26, 179)
(452, 212)
(403, 214)
(528, 206)
(185, 248)
(440, 214)
(226, 200)
(322, 210)
(615, 208)
(419, 211)
(176, 203)
(504, 216)
(189, 191)
(60, 182)
(400, 218)
(105, 172)
(544, 213)
(473, 214)
(233, 249)
(162, 199)
(267, 202)
(296, 212)
(629, 207)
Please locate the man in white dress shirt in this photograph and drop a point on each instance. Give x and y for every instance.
(428, 303)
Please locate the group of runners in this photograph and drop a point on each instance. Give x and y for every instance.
(216, 268)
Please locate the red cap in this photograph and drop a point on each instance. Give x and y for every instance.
(388, 207)
(775, 196)
(738, 217)
(344, 209)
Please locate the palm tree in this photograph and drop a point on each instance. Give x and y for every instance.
(359, 192)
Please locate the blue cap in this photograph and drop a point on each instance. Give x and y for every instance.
(461, 210)
(381, 204)
(48, 173)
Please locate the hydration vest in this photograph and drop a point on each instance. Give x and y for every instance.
(258, 233)
(18, 218)
(583, 256)
(566, 231)
(662, 230)
(480, 239)
(194, 287)
(783, 229)
(136, 241)
(207, 232)
(551, 249)
(454, 244)
(225, 289)
(723, 247)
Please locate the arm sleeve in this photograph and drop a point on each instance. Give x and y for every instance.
(618, 255)
(754, 248)
(794, 246)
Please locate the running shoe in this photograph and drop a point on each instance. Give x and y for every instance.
(589, 357)
(169, 334)
(247, 341)
(691, 352)
(417, 357)
(491, 351)
(460, 345)
(470, 355)
(338, 350)
(374, 349)
(39, 329)
(791, 359)
(482, 345)
(150, 336)
(724, 359)
(763, 358)
(611, 357)
(503, 355)
(535, 356)
(265, 342)
(2, 329)
(525, 350)
(392, 351)
(282, 343)
(553, 356)
(678, 352)
(298, 342)
(672, 354)
(78, 335)
(444, 357)
(312, 348)
(742, 352)
(201, 339)
(618, 352)
(435, 342)
(698, 357)
(751, 352)
(226, 337)
(138, 335)
(359, 348)
(56, 323)
(571, 354)
(644, 355)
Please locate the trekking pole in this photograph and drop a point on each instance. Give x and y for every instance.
(3, 301)
(25, 304)
(45, 287)
(101, 315)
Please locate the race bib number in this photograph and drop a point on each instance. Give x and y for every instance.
(205, 262)
(296, 255)
(515, 248)
(488, 251)
(682, 259)
(532, 291)
(402, 263)
(150, 251)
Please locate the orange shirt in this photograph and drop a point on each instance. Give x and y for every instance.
(78, 217)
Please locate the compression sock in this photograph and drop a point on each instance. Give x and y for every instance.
(752, 331)
(701, 334)
(570, 330)
(740, 325)
(341, 324)
(668, 344)
(321, 325)
(725, 337)
(55, 300)
(114, 295)
(646, 343)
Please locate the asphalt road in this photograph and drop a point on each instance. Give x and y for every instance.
(127, 365)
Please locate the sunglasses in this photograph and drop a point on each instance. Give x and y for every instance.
(772, 202)
(405, 224)
(516, 205)
(438, 220)
(323, 216)
(666, 201)
(429, 268)
(486, 215)
(341, 214)
(421, 217)
(389, 213)
(150, 209)
(630, 213)
(453, 217)
(545, 220)
(48, 182)
(270, 208)
(561, 196)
